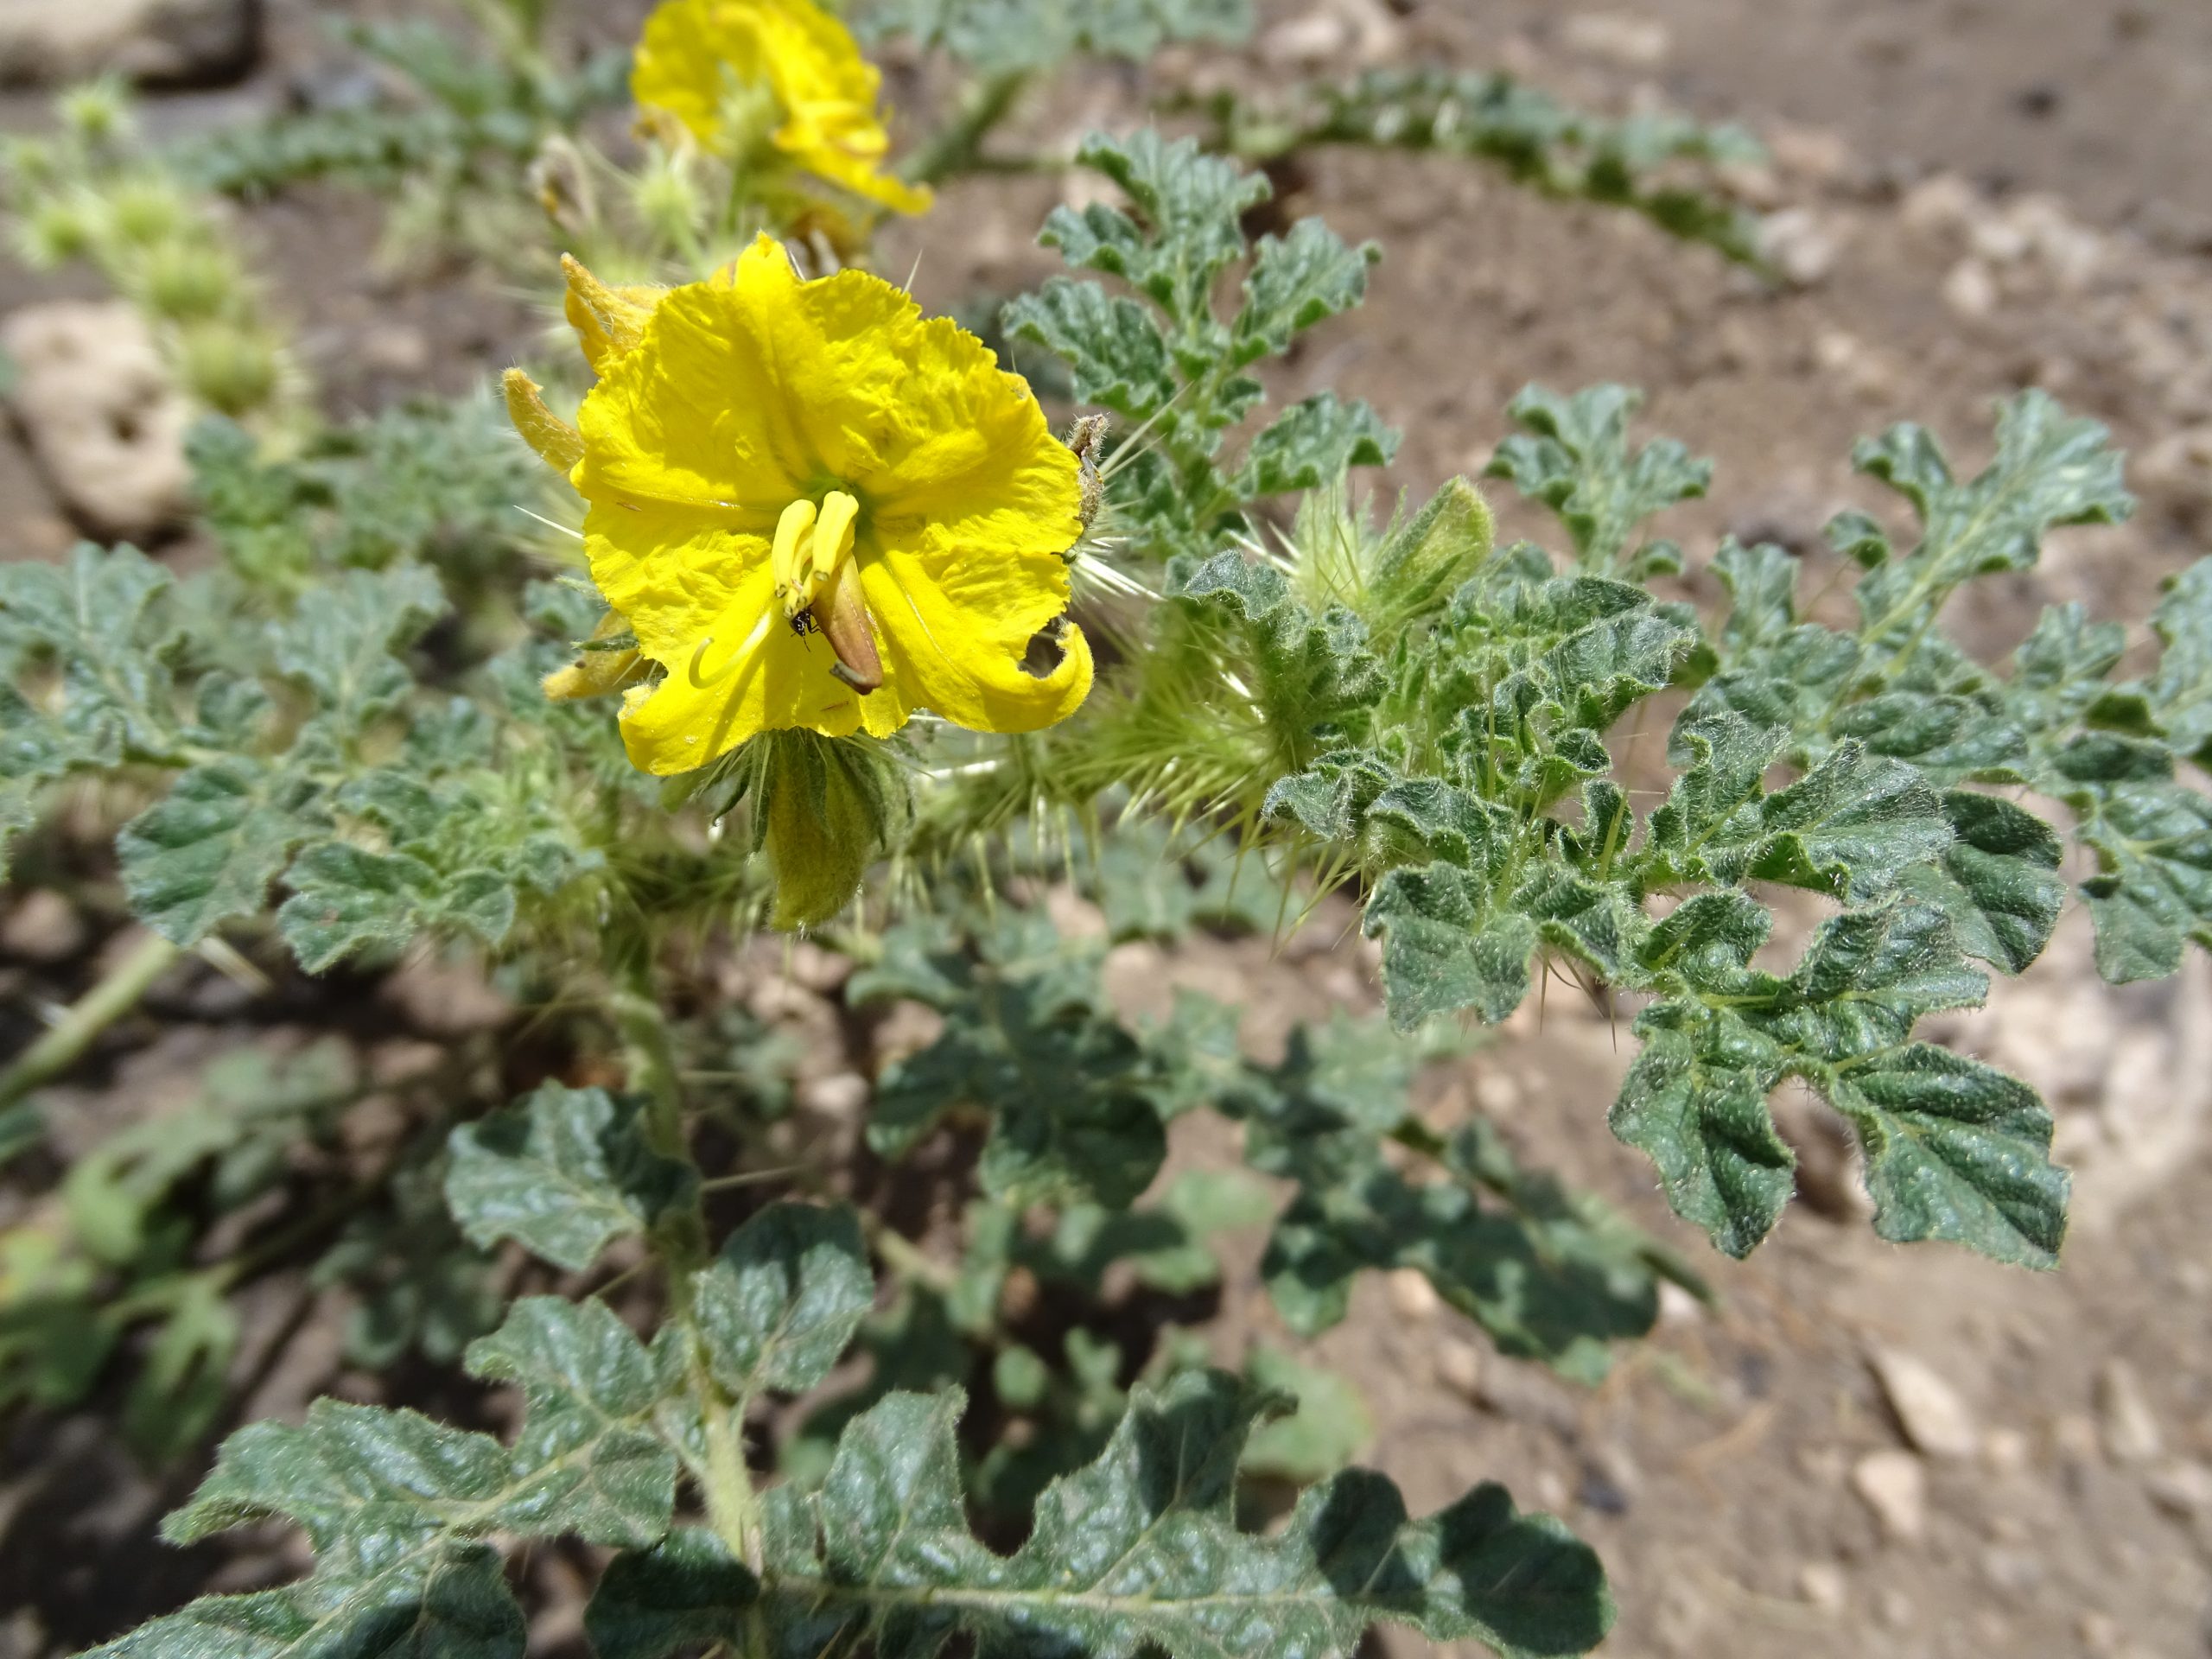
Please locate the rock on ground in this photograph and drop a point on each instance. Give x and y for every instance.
(102, 414)
(1934, 1418)
(154, 42)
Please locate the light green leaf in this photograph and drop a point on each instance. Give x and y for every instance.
(1295, 282)
(1576, 460)
(781, 1303)
(562, 1171)
(2180, 692)
(208, 852)
(341, 640)
(1312, 444)
(347, 899)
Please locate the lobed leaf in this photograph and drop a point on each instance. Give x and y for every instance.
(562, 1171)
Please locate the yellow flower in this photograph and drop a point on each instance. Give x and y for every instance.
(816, 508)
(698, 60)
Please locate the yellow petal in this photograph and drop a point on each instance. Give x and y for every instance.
(954, 642)
(677, 68)
(750, 679)
(559, 445)
(693, 51)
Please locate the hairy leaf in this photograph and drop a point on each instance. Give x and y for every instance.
(1576, 460)
(208, 852)
(783, 1299)
(1956, 1150)
(562, 1171)
(1141, 1549)
(586, 1460)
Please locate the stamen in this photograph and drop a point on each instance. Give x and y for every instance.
(795, 584)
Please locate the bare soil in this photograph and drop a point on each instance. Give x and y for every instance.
(2071, 248)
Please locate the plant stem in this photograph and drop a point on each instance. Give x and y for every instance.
(958, 146)
(90, 1015)
(679, 1237)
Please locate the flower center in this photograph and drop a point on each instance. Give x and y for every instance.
(819, 584)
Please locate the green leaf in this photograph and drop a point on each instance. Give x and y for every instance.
(782, 1300)
(1850, 827)
(1295, 282)
(562, 1171)
(1114, 349)
(2050, 469)
(207, 853)
(1577, 460)
(1007, 37)
(341, 642)
(1331, 1425)
(391, 1502)
(1444, 949)
(2180, 691)
(96, 618)
(1762, 584)
(2152, 892)
(1956, 1150)
(1998, 882)
(1724, 1036)
(1312, 444)
(1191, 203)
(1064, 1088)
(586, 1460)
(1701, 1116)
(1140, 1549)
(683, 1595)
(347, 899)
(453, 1604)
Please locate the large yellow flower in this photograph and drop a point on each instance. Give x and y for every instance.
(698, 60)
(816, 508)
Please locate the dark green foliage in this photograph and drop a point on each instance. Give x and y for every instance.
(1138, 1550)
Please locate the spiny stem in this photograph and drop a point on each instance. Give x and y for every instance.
(91, 1015)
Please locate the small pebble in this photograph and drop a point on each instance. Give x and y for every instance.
(1928, 1409)
(1895, 1487)
(2124, 1420)
(1412, 1295)
(1822, 1585)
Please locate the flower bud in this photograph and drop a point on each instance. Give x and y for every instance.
(231, 368)
(187, 281)
(824, 808)
(99, 111)
(140, 212)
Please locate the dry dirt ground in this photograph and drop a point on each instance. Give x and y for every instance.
(1981, 195)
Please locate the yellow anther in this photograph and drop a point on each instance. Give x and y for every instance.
(833, 533)
(795, 579)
